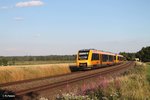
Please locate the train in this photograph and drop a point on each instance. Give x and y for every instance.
(92, 58)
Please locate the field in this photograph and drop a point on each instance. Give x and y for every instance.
(148, 63)
(41, 62)
(133, 84)
(24, 72)
(34, 60)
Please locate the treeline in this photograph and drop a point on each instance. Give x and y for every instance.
(143, 54)
(4, 61)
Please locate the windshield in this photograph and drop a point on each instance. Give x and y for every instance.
(83, 55)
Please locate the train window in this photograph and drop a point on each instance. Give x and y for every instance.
(110, 58)
(105, 58)
(83, 55)
(121, 58)
(95, 56)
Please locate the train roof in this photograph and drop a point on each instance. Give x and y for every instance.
(86, 49)
(99, 51)
(102, 52)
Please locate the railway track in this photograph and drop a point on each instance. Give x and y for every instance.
(30, 80)
(89, 74)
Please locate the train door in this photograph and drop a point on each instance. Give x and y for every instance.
(95, 60)
(100, 58)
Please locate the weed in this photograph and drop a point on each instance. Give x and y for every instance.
(132, 85)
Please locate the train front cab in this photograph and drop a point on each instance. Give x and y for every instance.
(83, 59)
(88, 59)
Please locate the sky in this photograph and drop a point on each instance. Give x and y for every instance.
(62, 27)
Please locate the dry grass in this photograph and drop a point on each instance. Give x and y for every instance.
(131, 85)
(17, 73)
(41, 62)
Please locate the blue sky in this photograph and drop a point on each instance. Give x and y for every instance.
(49, 27)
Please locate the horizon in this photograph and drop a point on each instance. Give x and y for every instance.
(66, 54)
(43, 27)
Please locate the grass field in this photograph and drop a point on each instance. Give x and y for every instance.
(148, 63)
(24, 72)
(148, 73)
(131, 85)
(41, 62)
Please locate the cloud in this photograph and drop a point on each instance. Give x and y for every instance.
(30, 3)
(18, 18)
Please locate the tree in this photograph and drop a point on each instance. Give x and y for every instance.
(128, 56)
(1, 63)
(5, 62)
(144, 54)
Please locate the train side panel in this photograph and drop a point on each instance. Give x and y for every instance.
(95, 59)
(107, 60)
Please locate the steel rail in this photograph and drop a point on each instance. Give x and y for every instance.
(64, 82)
